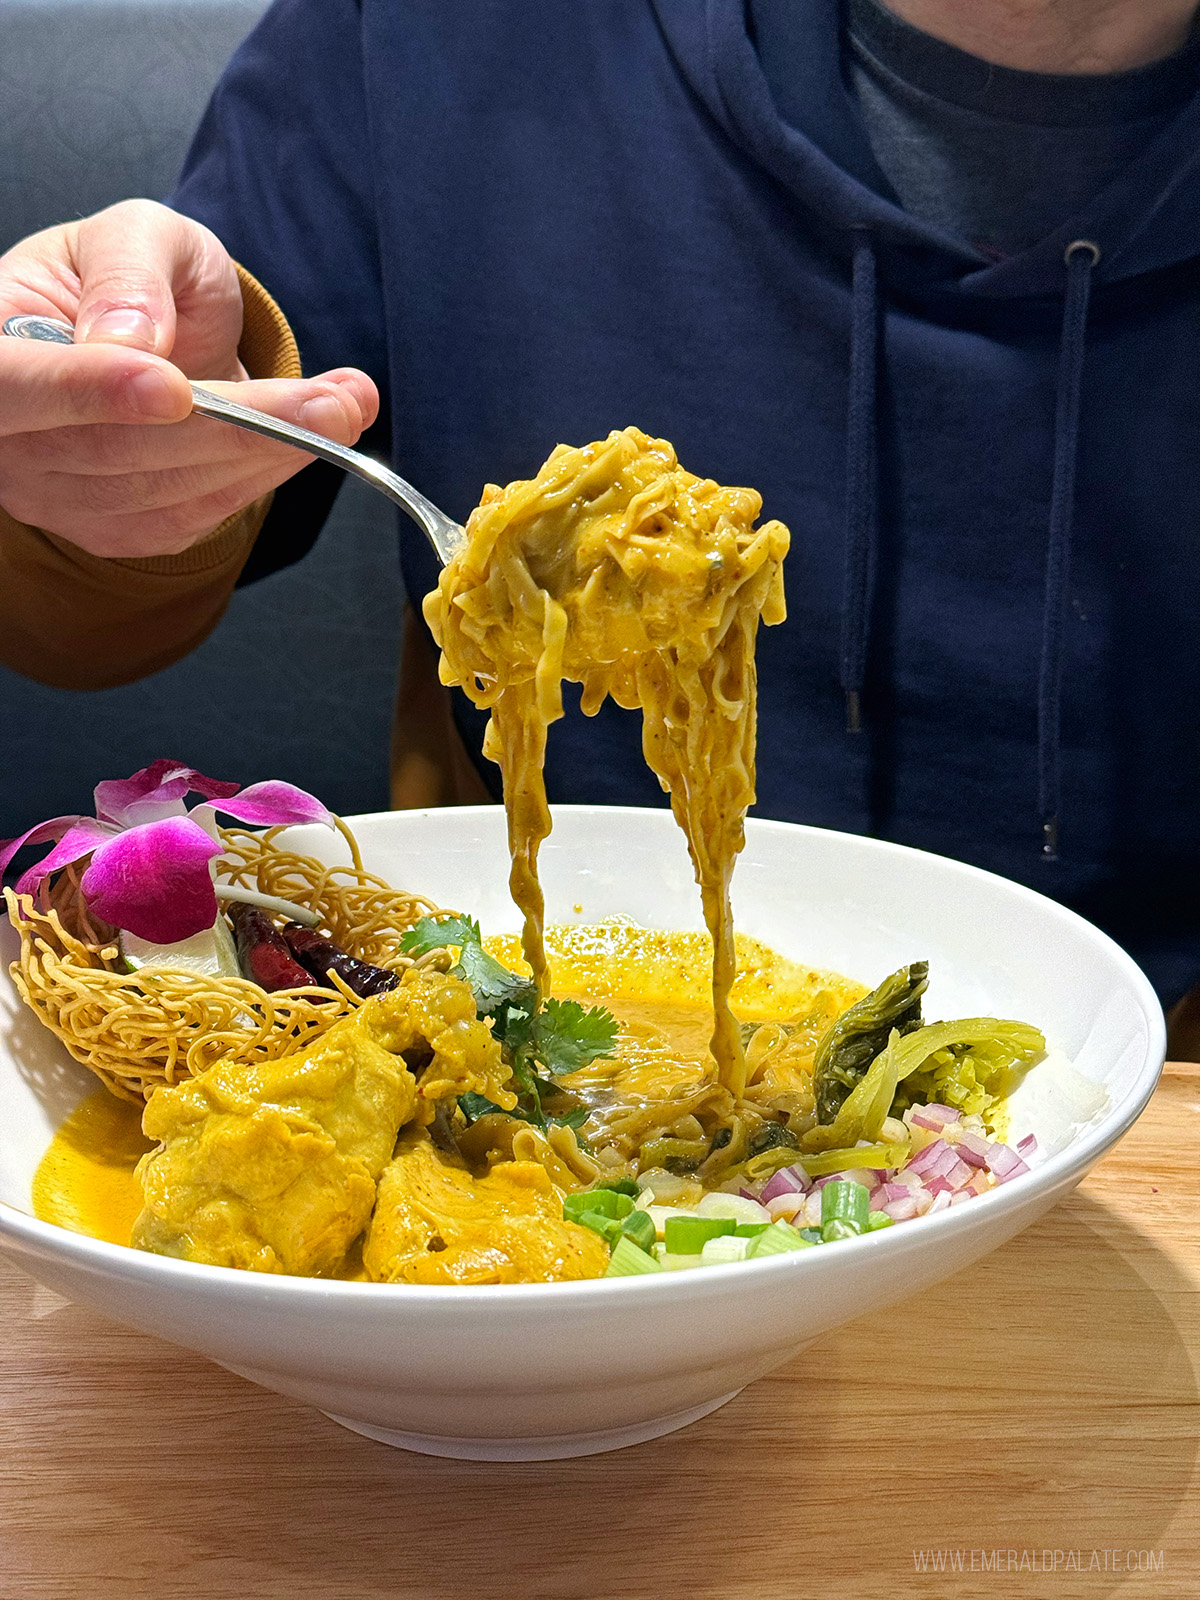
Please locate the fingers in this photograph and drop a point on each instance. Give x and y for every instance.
(60, 386)
(339, 405)
(137, 275)
(97, 440)
(130, 260)
(145, 490)
(311, 401)
(169, 529)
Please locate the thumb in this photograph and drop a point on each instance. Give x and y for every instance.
(127, 258)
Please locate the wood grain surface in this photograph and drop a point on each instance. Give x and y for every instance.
(1027, 1429)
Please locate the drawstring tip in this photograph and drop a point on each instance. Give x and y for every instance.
(853, 712)
(1050, 839)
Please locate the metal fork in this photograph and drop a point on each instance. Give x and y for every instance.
(445, 535)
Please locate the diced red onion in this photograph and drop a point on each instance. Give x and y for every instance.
(902, 1208)
(934, 1116)
(789, 1180)
(1005, 1163)
(937, 1184)
(973, 1149)
(941, 1202)
(923, 1200)
(947, 1163)
(926, 1161)
(1013, 1172)
(896, 1191)
(1027, 1145)
(937, 1160)
(959, 1175)
(963, 1194)
(749, 1194)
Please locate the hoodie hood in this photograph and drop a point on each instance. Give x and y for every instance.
(1142, 221)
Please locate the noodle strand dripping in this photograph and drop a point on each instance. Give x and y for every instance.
(618, 570)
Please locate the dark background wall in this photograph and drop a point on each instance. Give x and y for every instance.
(98, 99)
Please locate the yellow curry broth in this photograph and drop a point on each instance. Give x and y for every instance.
(86, 1181)
(656, 984)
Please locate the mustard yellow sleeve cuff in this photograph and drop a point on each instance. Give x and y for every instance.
(78, 621)
(268, 347)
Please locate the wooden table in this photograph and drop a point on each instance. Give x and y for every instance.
(1030, 1427)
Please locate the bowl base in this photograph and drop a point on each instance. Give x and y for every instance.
(550, 1447)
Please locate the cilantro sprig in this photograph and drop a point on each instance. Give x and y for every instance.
(438, 933)
(564, 1037)
(544, 1042)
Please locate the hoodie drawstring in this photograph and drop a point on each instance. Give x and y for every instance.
(861, 483)
(1081, 257)
(862, 506)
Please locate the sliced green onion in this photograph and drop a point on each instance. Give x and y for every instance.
(779, 1238)
(609, 1228)
(751, 1230)
(601, 1202)
(627, 1261)
(727, 1247)
(844, 1210)
(639, 1226)
(686, 1236)
(877, 1220)
(672, 1263)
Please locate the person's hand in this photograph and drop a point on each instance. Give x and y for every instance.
(96, 440)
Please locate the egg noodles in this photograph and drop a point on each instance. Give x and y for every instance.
(618, 570)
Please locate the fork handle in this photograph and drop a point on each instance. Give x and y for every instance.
(444, 534)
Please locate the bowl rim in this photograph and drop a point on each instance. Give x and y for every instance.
(32, 1236)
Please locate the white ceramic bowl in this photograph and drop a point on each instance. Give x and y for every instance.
(529, 1372)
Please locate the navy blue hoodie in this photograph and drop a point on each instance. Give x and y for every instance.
(536, 221)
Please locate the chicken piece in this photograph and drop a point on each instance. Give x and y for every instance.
(435, 1222)
(436, 1026)
(272, 1167)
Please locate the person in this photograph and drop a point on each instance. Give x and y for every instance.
(925, 273)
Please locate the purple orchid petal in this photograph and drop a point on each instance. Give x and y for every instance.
(155, 880)
(274, 804)
(153, 809)
(78, 841)
(149, 793)
(41, 833)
